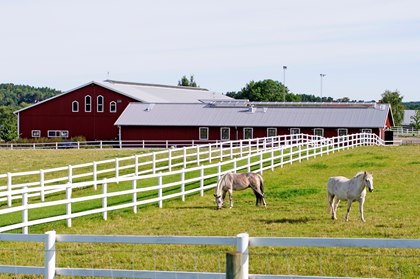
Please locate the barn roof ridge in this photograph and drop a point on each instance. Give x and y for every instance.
(155, 85)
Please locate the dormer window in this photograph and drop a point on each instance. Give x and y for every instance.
(88, 103)
(75, 106)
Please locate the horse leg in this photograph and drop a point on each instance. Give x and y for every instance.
(230, 198)
(331, 204)
(335, 206)
(361, 202)
(349, 202)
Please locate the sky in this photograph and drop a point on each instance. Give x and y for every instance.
(363, 47)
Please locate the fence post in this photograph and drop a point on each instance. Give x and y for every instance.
(185, 157)
(134, 186)
(49, 270)
(136, 165)
(233, 265)
(281, 156)
(25, 210)
(41, 184)
(95, 175)
(272, 159)
(221, 151)
(209, 153)
(117, 169)
(9, 189)
(261, 162)
(68, 204)
(202, 181)
(160, 190)
(70, 179)
(183, 185)
(169, 160)
(154, 162)
(248, 162)
(198, 154)
(231, 149)
(235, 165)
(240, 148)
(104, 200)
(219, 170)
(300, 152)
(242, 247)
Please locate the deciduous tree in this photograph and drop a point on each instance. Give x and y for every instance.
(395, 100)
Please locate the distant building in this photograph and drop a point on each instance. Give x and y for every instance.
(232, 120)
(91, 110)
(406, 123)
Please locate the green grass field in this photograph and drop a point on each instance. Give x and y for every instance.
(297, 206)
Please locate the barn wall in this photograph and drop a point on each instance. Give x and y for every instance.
(56, 114)
(192, 133)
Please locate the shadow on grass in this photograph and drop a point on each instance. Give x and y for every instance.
(303, 220)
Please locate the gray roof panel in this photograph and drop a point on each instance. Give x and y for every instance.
(137, 114)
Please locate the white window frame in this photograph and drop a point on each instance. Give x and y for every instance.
(364, 137)
(75, 103)
(58, 133)
(36, 133)
(366, 131)
(319, 129)
(271, 129)
(207, 133)
(88, 104)
(248, 129)
(100, 103)
(346, 132)
(221, 133)
(112, 105)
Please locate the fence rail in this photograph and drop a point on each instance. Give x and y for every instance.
(242, 243)
(156, 187)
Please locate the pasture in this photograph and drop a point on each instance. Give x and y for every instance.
(296, 206)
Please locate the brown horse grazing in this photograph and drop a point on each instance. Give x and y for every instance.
(239, 181)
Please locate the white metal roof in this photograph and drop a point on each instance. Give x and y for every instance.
(160, 114)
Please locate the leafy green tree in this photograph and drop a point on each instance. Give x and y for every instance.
(395, 100)
(267, 90)
(187, 82)
(415, 120)
(8, 123)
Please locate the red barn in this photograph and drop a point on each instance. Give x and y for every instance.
(92, 109)
(233, 120)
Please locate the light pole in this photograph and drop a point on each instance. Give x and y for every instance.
(284, 83)
(321, 75)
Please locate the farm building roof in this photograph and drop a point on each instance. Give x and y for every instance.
(243, 113)
(150, 93)
(156, 93)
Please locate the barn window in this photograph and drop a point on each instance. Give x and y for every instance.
(88, 103)
(58, 133)
(342, 132)
(75, 106)
(248, 133)
(271, 132)
(36, 133)
(100, 104)
(112, 106)
(319, 132)
(366, 131)
(204, 133)
(225, 133)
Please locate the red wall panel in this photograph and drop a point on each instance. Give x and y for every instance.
(56, 114)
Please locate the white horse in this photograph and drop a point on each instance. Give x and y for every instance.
(342, 188)
(233, 181)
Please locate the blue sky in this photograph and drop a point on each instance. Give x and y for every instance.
(364, 47)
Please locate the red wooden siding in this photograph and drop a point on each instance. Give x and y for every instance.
(192, 133)
(56, 114)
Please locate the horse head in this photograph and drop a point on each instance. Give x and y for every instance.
(219, 201)
(368, 180)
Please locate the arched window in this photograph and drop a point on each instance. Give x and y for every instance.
(100, 104)
(112, 106)
(88, 103)
(75, 106)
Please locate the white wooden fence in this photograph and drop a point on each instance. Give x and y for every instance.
(241, 242)
(161, 186)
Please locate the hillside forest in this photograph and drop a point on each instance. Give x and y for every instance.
(14, 97)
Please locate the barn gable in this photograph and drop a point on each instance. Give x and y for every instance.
(90, 110)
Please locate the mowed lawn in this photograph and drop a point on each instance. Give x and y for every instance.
(297, 206)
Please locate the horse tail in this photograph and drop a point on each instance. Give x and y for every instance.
(261, 185)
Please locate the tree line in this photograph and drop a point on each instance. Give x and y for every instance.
(14, 97)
